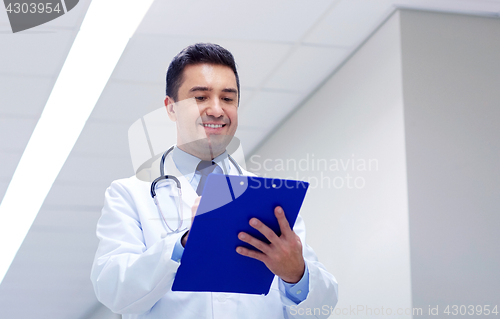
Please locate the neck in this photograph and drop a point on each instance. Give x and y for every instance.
(208, 155)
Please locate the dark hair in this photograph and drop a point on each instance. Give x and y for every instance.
(195, 54)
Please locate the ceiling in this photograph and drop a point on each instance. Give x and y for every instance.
(284, 50)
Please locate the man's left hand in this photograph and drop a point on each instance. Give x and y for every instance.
(283, 256)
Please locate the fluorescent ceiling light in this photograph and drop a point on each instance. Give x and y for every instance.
(104, 34)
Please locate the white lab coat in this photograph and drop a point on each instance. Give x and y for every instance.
(133, 271)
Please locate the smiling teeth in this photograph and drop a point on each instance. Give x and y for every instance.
(213, 125)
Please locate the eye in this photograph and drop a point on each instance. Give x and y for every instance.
(200, 98)
(227, 99)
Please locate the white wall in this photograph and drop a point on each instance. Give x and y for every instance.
(421, 97)
(359, 233)
(451, 68)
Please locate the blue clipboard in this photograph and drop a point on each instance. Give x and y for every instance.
(210, 261)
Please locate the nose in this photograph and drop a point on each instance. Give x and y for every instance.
(215, 109)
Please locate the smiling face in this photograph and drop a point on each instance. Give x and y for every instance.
(206, 111)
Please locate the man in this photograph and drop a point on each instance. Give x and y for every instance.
(136, 261)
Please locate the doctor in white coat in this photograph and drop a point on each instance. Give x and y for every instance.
(138, 255)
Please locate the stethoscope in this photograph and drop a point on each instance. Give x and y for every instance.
(156, 182)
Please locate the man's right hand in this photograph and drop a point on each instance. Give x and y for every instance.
(193, 214)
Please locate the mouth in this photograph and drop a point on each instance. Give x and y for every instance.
(213, 126)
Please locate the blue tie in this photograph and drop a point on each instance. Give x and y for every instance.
(204, 168)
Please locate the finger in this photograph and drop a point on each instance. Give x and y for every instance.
(264, 230)
(197, 200)
(282, 221)
(194, 208)
(250, 253)
(249, 239)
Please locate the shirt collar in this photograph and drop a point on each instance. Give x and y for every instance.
(187, 163)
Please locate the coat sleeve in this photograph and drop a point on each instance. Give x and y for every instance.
(127, 276)
(323, 288)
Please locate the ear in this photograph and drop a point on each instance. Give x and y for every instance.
(170, 105)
